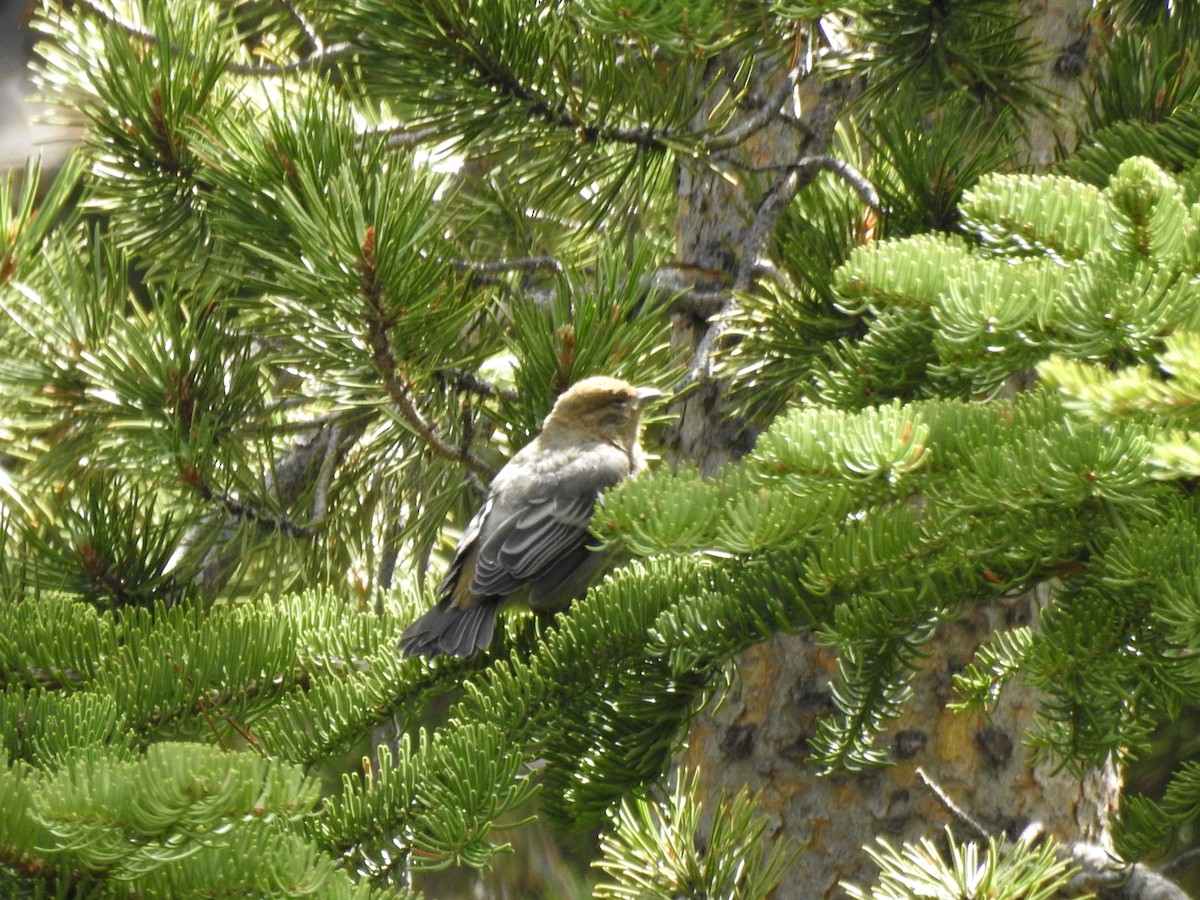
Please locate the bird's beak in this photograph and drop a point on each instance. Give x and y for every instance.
(646, 394)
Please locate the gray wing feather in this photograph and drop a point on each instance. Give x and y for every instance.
(527, 535)
(448, 629)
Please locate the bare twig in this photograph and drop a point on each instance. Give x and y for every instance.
(509, 265)
(758, 235)
(408, 138)
(329, 461)
(798, 175)
(401, 135)
(298, 427)
(953, 808)
(330, 54)
(389, 546)
(756, 121)
(470, 382)
(848, 173)
(305, 25)
(1099, 869)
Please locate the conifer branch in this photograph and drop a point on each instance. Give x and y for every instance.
(289, 478)
(238, 510)
(215, 699)
(379, 320)
(323, 55)
(954, 809)
(506, 82)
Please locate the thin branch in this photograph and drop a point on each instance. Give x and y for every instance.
(321, 56)
(378, 322)
(862, 186)
(290, 476)
(297, 427)
(389, 554)
(247, 735)
(412, 137)
(758, 235)
(1099, 870)
(305, 25)
(463, 380)
(756, 121)
(700, 305)
(798, 175)
(509, 265)
(332, 455)
(239, 511)
(400, 135)
(953, 808)
(502, 78)
(400, 396)
(330, 54)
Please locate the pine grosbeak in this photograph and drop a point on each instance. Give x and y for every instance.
(529, 542)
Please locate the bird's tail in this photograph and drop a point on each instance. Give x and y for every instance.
(450, 629)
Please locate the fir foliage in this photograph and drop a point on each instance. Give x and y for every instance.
(658, 849)
(1024, 871)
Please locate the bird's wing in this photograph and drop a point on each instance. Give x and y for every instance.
(522, 540)
(464, 552)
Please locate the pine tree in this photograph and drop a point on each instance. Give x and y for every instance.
(918, 559)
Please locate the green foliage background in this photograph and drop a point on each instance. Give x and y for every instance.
(261, 347)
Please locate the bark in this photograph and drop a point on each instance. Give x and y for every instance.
(956, 769)
(759, 735)
(715, 213)
(1068, 34)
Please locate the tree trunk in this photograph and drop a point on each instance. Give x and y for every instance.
(941, 760)
(759, 735)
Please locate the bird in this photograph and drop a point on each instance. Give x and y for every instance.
(529, 542)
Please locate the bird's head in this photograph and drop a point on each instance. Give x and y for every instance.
(608, 408)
